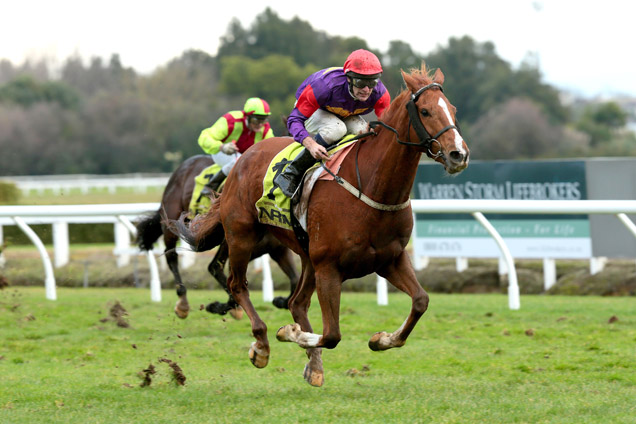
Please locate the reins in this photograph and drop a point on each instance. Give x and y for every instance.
(425, 141)
(358, 192)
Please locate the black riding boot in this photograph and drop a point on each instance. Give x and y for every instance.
(289, 179)
(214, 183)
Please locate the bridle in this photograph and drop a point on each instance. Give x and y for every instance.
(425, 139)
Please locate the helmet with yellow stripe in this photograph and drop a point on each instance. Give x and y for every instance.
(256, 106)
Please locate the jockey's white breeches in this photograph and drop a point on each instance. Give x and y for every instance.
(226, 162)
(332, 128)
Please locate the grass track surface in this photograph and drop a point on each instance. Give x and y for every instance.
(470, 360)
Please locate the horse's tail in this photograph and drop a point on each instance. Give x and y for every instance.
(149, 230)
(204, 231)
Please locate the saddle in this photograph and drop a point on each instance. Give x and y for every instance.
(274, 208)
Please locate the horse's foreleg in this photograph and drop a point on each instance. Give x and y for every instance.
(301, 331)
(299, 302)
(329, 287)
(402, 276)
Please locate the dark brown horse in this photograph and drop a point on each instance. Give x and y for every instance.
(348, 237)
(174, 202)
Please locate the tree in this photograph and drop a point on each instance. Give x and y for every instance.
(42, 139)
(610, 114)
(519, 129)
(97, 76)
(400, 56)
(477, 80)
(25, 91)
(271, 35)
(602, 121)
(275, 78)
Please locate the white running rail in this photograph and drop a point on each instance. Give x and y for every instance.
(124, 212)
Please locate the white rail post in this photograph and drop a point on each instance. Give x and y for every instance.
(3, 261)
(122, 244)
(49, 279)
(155, 283)
(514, 301)
(420, 262)
(268, 281)
(461, 264)
(382, 291)
(549, 273)
(61, 250)
(502, 267)
(597, 264)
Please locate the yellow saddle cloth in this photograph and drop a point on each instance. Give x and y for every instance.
(201, 204)
(274, 208)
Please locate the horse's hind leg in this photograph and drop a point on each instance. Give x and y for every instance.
(182, 307)
(216, 268)
(402, 276)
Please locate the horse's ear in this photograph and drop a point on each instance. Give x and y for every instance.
(439, 76)
(409, 81)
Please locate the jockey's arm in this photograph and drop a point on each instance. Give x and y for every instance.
(211, 138)
(382, 104)
(316, 150)
(305, 106)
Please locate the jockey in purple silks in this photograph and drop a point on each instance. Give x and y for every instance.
(329, 105)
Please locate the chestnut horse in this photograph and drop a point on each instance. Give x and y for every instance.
(175, 201)
(349, 236)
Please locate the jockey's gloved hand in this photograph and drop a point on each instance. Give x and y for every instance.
(229, 148)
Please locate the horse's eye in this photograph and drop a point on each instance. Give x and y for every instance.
(424, 112)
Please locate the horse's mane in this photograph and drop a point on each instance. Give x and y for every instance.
(422, 77)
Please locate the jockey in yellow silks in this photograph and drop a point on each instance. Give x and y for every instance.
(230, 136)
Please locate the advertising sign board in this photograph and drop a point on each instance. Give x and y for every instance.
(527, 236)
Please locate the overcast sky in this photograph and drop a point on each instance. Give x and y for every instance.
(586, 47)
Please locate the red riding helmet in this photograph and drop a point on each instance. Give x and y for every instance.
(363, 64)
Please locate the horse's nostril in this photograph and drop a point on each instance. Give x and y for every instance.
(456, 156)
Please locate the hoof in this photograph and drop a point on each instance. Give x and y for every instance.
(383, 341)
(314, 377)
(181, 314)
(237, 313)
(281, 302)
(182, 309)
(216, 308)
(288, 333)
(375, 342)
(259, 358)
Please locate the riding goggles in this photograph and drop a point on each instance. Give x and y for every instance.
(259, 120)
(364, 82)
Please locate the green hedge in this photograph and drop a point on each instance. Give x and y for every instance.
(9, 193)
(77, 233)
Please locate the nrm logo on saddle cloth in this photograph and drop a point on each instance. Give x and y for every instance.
(274, 208)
